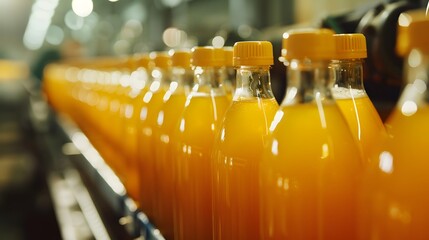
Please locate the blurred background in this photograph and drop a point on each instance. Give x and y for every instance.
(102, 27)
(40, 31)
(34, 33)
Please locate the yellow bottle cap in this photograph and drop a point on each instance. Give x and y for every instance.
(413, 32)
(219, 57)
(317, 44)
(350, 46)
(142, 60)
(161, 60)
(228, 56)
(181, 58)
(253, 53)
(202, 56)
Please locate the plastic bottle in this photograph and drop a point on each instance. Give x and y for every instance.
(350, 94)
(168, 118)
(312, 166)
(230, 73)
(394, 202)
(152, 103)
(130, 118)
(204, 109)
(240, 142)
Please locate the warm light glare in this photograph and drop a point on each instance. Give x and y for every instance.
(218, 42)
(277, 118)
(290, 96)
(171, 3)
(82, 8)
(38, 23)
(321, 111)
(409, 108)
(386, 162)
(174, 37)
(420, 86)
(404, 20)
(415, 58)
(275, 147)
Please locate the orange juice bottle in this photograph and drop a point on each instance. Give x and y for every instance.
(168, 117)
(112, 127)
(121, 72)
(229, 81)
(130, 118)
(152, 103)
(240, 142)
(311, 165)
(204, 109)
(55, 86)
(350, 94)
(394, 202)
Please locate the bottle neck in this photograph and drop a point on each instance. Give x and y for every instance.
(308, 82)
(253, 81)
(230, 75)
(181, 79)
(347, 73)
(208, 80)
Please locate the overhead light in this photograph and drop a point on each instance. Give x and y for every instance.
(218, 42)
(38, 23)
(174, 37)
(82, 8)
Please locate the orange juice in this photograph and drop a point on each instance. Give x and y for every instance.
(112, 123)
(363, 119)
(312, 166)
(152, 103)
(239, 144)
(164, 166)
(148, 118)
(56, 86)
(139, 85)
(133, 80)
(393, 204)
(350, 94)
(309, 176)
(195, 137)
(168, 117)
(237, 155)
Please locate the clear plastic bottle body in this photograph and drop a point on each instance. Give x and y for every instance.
(311, 166)
(204, 109)
(394, 199)
(237, 152)
(358, 110)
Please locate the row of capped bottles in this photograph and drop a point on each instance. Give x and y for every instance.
(205, 150)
